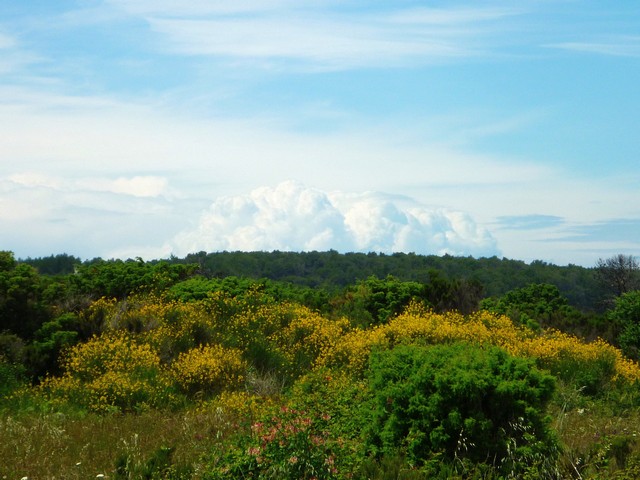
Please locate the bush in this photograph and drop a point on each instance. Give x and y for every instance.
(12, 376)
(461, 403)
(111, 372)
(290, 444)
(625, 317)
(209, 369)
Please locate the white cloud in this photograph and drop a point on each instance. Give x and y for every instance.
(319, 35)
(41, 215)
(293, 217)
(70, 136)
(137, 186)
(619, 46)
(323, 42)
(199, 7)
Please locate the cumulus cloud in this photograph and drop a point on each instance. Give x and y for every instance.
(293, 217)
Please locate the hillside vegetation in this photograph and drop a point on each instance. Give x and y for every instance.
(316, 365)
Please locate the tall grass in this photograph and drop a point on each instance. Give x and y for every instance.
(59, 446)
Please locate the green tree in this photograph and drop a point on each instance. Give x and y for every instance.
(625, 318)
(463, 403)
(21, 308)
(62, 264)
(374, 300)
(619, 274)
(120, 278)
(538, 304)
(54, 336)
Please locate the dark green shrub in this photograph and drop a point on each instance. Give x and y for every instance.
(43, 354)
(12, 376)
(462, 403)
(537, 305)
(625, 317)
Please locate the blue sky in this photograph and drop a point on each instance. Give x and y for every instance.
(145, 128)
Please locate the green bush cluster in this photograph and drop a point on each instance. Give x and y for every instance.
(462, 403)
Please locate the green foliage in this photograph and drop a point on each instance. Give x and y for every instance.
(339, 396)
(51, 339)
(22, 310)
(331, 270)
(374, 301)
(625, 316)
(117, 278)
(160, 337)
(12, 376)
(462, 402)
(390, 467)
(199, 288)
(540, 305)
(61, 264)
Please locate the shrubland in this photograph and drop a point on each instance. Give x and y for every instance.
(153, 370)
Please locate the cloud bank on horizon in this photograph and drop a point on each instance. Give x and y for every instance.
(293, 217)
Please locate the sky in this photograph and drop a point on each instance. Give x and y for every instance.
(150, 128)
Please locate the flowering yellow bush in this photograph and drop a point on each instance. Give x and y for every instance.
(183, 326)
(111, 371)
(98, 315)
(114, 351)
(306, 336)
(564, 355)
(153, 347)
(235, 405)
(209, 369)
(352, 350)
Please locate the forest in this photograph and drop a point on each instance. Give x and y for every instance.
(318, 365)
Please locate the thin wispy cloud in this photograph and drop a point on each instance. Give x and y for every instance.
(145, 137)
(178, 8)
(137, 186)
(618, 46)
(321, 36)
(530, 222)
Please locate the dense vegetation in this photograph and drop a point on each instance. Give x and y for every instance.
(318, 365)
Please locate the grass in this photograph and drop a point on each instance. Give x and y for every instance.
(58, 446)
(597, 442)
